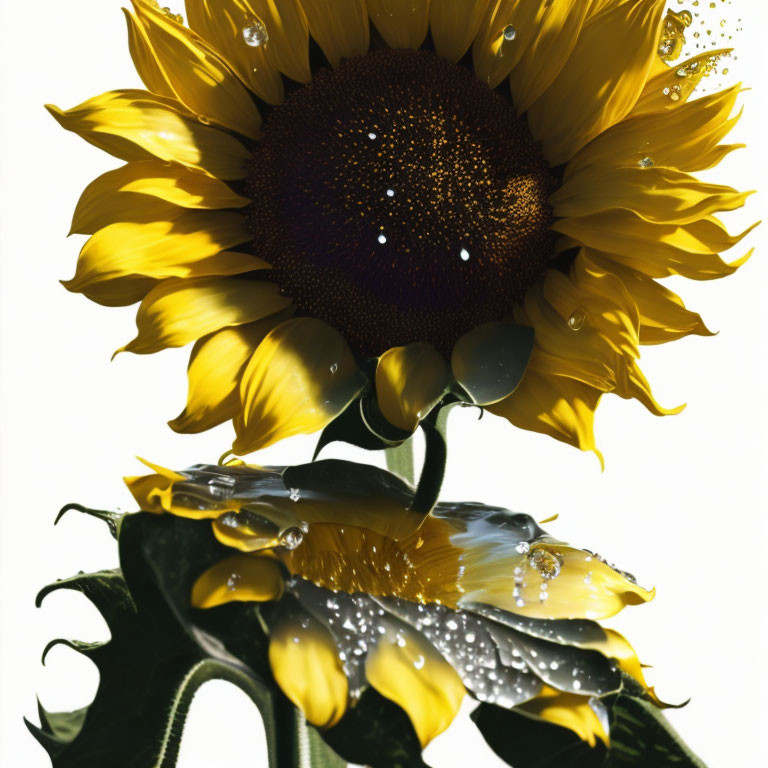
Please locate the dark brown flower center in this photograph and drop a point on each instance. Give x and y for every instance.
(400, 199)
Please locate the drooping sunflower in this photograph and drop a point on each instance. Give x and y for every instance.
(360, 592)
(380, 200)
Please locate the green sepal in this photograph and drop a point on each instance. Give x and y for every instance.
(112, 519)
(161, 650)
(640, 736)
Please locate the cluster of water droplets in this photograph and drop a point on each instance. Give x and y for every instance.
(502, 658)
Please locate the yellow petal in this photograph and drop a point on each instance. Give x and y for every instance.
(568, 710)
(601, 81)
(659, 195)
(215, 367)
(409, 383)
(299, 379)
(179, 311)
(402, 23)
(288, 45)
(553, 41)
(663, 316)
(137, 191)
(224, 24)
(339, 26)
(454, 24)
(495, 53)
(153, 492)
(687, 138)
(658, 250)
(240, 578)
(674, 85)
(201, 80)
(407, 669)
(306, 666)
(553, 405)
(136, 125)
(582, 587)
(489, 361)
(123, 251)
(144, 59)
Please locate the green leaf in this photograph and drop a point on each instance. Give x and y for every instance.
(640, 735)
(162, 650)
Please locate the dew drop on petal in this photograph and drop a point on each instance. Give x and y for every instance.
(545, 563)
(464, 254)
(290, 538)
(510, 33)
(255, 33)
(233, 581)
(295, 495)
(645, 162)
(523, 547)
(576, 320)
(382, 239)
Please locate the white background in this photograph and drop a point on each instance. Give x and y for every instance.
(682, 502)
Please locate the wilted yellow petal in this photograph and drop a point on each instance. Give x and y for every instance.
(406, 668)
(658, 250)
(409, 383)
(674, 85)
(306, 666)
(658, 195)
(663, 316)
(299, 379)
(687, 138)
(240, 578)
(137, 125)
(179, 311)
(553, 405)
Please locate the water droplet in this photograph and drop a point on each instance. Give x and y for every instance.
(646, 162)
(290, 538)
(588, 578)
(382, 239)
(554, 666)
(464, 254)
(545, 563)
(510, 33)
(576, 320)
(233, 581)
(372, 136)
(295, 494)
(390, 193)
(334, 368)
(400, 642)
(451, 624)
(255, 33)
(576, 685)
(519, 602)
(419, 662)
(522, 547)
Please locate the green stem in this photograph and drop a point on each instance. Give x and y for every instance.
(400, 460)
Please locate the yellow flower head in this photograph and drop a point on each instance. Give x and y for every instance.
(364, 592)
(388, 200)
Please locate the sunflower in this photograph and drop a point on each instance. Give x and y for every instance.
(400, 203)
(362, 594)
